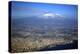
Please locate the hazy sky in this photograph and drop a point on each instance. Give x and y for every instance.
(26, 9)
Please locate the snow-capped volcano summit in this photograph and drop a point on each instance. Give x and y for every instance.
(50, 15)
